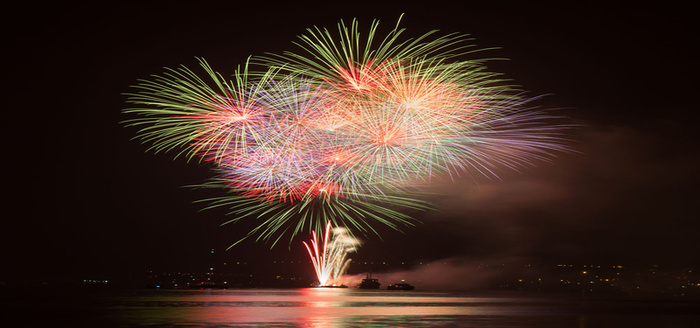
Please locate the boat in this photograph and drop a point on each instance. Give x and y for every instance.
(332, 286)
(400, 286)
(369, 283)
(317, 285)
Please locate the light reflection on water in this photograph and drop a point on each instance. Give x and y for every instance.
(311, 307)
(321, 307)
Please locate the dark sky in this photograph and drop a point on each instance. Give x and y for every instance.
(85, 200)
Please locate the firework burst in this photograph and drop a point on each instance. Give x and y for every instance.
(344, 130)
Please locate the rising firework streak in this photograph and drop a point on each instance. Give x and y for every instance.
(329, 256)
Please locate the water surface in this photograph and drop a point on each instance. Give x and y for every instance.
(322, 307)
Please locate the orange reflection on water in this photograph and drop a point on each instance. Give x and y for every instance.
(323, 297)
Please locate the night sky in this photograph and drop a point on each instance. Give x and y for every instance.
(86, 201)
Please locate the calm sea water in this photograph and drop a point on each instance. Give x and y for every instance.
(321, 307)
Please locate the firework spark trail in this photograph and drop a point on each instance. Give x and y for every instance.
(341, 131)
(329, 260)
